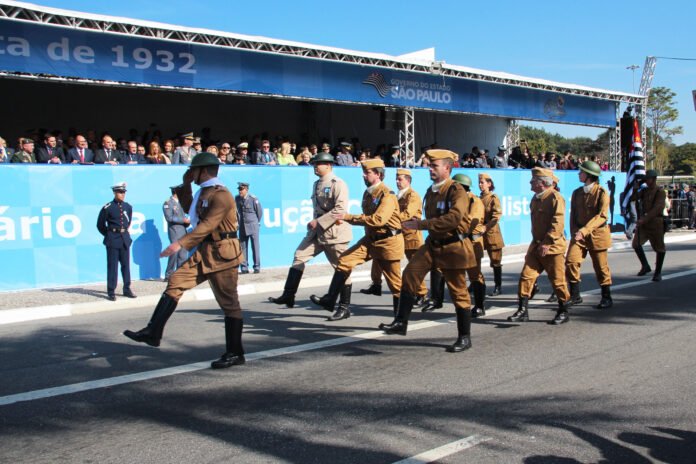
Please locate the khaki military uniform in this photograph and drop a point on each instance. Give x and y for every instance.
(383, 240)
(447, 247)
(493, 238)
(477, 229)
(410, 206)
(218, 254)
(329, 196)
(589, 213)
(548, 217)
(652, 203)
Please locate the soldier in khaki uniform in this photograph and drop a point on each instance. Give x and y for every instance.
(589, 229)
(213, 216)
(383, 240)
(651, 203)
(410, 206)
(545, 253)
(447, 248)
(324, 233)
(493, 237)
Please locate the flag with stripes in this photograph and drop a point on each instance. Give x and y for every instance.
(635, 172)
(378, 82)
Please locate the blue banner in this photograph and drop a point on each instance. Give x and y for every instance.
(48, 214)
(48, 49)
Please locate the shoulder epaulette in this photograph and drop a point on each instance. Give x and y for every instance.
(107, 205)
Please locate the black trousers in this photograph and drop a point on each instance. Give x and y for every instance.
(114, 256)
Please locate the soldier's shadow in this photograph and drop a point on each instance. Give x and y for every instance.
(146, 250)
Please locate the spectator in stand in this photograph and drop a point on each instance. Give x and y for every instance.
(264, 156)
(481, 161)
(50, 153)
(185, 153)
(313, 149)
(424, 161)
(141, 151)
(691, 206)
(362, 157)
(155, 155)
(305, 158)
(169, 150)
(500, 161)
(242, 153)
(239, 160)
(344, 158)
(566, 163)
(106, 154)
(285, 156)
(226, 153)
(605, 166)
(132, 156)
(394, 158)
(5, 153)
(25, 153)
(326, 148)
(303, 150)
(211, 149)
(80, 153)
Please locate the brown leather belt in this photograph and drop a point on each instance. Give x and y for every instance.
(223, 236)
(377, 237)
(447, 241)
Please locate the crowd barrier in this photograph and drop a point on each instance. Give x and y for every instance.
(48, 214)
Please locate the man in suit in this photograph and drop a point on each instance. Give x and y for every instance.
(50, 152)
(250, 212)
(80, 154)
(5, 152)
(132, 156)
(176, 228)
(107, 154)
(265, 155)
(113, 223)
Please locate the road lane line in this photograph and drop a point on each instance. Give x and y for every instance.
(444, 451)
(353, 338)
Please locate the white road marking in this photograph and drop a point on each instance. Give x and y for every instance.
(444, 451)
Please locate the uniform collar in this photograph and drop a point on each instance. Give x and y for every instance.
(403, 192)
(436, 187)
(372, 188)
(589, 188)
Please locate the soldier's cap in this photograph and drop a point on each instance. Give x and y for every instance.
(501, 148)
(196, 140)
(592, 168)
(462, 179)
(348, 145)
(403, 172)
(484, 176)
(325, 145)
(204, 159)
(438, 153)
(323, 158)
(243, 146)
(120, 187)
(396, 147)
(242, 185)
(542, 172)
(174, 188)
(25, 141)
(188, 135)
(373, 163)
(650, 173)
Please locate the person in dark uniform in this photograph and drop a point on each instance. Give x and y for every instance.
(113, 222)
(651, 203)
(249, 212)
(177, 222)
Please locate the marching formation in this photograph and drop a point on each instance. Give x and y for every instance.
(460, 225)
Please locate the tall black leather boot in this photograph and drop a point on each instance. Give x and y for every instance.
(375, 288)
(343, 309)
(328, 301)
(498, 281)
(152, 334)
(437, 292)
(644, 265)
(292, 283)
(659, 260)
(479, 298)
(234, 354)
(463, 331)
(395, 304)
(400, 323)
(521, 315)
(575, 298)
(606, 301)
(552, 298)
(535, 289)
(561, 314)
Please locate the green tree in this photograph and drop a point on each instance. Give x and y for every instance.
(683, 159)
(661, 113)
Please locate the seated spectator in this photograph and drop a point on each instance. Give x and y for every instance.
(80, 154)
(169, 150)
(106, 154)
(141, 150)
(500, 161)
(305, 158)
(239, 159)
(394, 159)
(345, 158)
(313, 149)
(604, 166)
(242, 153)
(185, 153)
(5, 153)
(25, 153)
(198, 146)
(361, 157)
(264, 155)
(303, 149)
(285, 157)
(155, 155)
(423, 161)
(326, 148)
(226, 156)
(50, 152)
(481, 161)
(132, 156)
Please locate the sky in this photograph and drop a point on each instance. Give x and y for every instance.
(588, 43)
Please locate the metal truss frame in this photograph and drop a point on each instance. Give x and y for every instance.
(407, 136)
(615, 143)
(512, 136)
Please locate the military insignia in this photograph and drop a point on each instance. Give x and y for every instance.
(107, 205)
(166, 206)
(440, 205)
(327, 190)
(204, 204)
(375, 201)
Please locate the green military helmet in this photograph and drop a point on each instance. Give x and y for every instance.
(651, 173)
(204, 159)
(591, 168)
(462, 179)
(323, 158)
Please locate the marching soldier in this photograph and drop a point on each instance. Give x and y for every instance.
(447, 248)
(177, 222)
(324, 233)
(492, 238)
(250, 213)
(589, 229)
(213, 216)
(410, 206)
(382, 242)
(545, 253)
(113, 223)
(651, 202)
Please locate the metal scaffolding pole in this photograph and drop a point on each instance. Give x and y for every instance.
(512, 136)
(407, 136)
(615, 142)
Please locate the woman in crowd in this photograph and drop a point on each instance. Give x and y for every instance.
(168, 150)
(155, 155)
(305, 158)
(285, 157)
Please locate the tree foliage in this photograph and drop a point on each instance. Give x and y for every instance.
(540, 141)
(683, 159)
(661, 114)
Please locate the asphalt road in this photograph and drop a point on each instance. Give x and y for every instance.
(610, 386)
